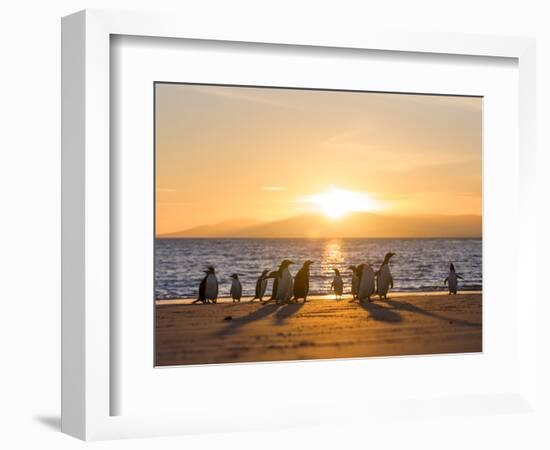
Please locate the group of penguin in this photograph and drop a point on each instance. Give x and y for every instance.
(365, 282)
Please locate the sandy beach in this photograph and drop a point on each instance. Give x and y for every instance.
(406, 324)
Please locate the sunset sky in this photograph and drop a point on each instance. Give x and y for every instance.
(268, 154)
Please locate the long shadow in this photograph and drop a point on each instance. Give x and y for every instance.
(380, 313)
(404, 306)
(51, 422)
(287, 311)
(239, 322)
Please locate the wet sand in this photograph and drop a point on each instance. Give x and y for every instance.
(319, 329)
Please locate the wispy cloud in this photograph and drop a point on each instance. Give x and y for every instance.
(273, 188)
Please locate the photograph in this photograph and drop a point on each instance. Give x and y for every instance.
(300, 224)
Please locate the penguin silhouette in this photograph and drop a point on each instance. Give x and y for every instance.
(301, 282)
(236, 288)
(452, 279)
(384, 279)
(354, 281)
(211, 285)
(275, 276)
(366, 282)
(285, 285)
(337, 284)
(359, 273)
(202, 289)
(261, 286)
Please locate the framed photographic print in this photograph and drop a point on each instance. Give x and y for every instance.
(251, 214)
(315, 224)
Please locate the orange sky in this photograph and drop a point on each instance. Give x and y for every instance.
(259, 153)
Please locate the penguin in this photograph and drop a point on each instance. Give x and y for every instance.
(452, 279)
(236, 288)
(366, 282)
(337, 284)
(275, 276)
(211, 285)
(261, 286)
(202, 288)
(384, 280)
(359, 273)
(285, 285)
(301, 282)
(354, 281)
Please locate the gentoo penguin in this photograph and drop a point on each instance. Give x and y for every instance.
(354, 281)
(202, 288)
(337, 284)
(366, 282)
(384, 280)
(452, 279)
(211, 285)
(261, 286)
(301, 282)
(285, 285)
(236, 288)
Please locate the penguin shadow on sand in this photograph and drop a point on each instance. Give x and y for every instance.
(236, 324)
(381, 313)
(405, 306)
(286, 312)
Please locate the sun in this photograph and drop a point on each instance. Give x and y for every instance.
(335, 203)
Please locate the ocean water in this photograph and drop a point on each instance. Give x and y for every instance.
(419, 264)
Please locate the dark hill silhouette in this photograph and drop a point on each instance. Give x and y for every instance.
(222, 229)
(353, 225)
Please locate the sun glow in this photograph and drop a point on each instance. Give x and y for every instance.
(335, 203)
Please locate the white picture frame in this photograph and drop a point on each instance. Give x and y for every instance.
(87, 386)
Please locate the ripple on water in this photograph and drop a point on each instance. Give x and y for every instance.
(419, 264)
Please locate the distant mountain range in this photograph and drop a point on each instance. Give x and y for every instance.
(353, 225)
